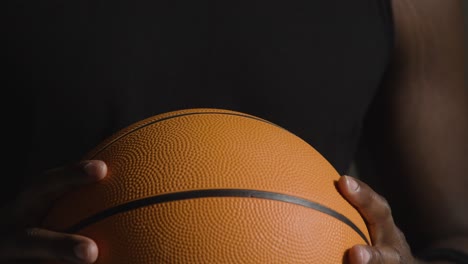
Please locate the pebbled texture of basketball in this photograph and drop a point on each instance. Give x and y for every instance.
(211, 186)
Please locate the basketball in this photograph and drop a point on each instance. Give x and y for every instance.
(211, 186)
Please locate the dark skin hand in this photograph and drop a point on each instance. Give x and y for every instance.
(426, 152)
(388, 242)
(23, 242)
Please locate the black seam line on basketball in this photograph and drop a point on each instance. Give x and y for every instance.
(213, 193)
(180, 115)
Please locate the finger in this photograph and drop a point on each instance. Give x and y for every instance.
(373, 207)
(64, 178)
(374, 255)
(56, 182)
(41, 244)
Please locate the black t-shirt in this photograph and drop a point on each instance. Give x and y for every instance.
(82, 70)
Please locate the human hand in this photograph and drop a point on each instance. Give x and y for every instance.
(21, 237)
(389, 244)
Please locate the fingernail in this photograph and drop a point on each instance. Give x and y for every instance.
(82, 251)
(365, 255)
(94, 169)
(352, 184)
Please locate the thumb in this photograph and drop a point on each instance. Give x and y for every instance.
(41, 244)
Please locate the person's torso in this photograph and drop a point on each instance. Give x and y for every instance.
(85, 69)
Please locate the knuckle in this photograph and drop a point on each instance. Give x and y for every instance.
(398, 257)
(383, 201)
(377, 256)
(32, 231)
(368, 200)
(401, 236)
(386, 210)
(388, 255)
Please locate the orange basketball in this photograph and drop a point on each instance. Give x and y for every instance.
(211, 186)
